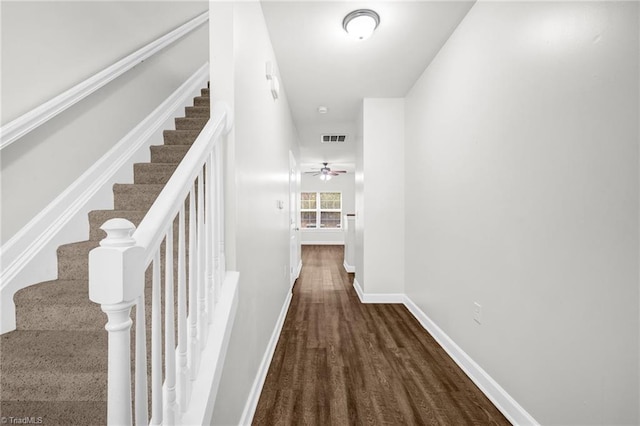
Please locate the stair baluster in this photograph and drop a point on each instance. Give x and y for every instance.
(218, 212)
(210, 235)
(156, 344)
(142, 399)
(169, 334)
(194, 346)
(203, 321)
(183, 373)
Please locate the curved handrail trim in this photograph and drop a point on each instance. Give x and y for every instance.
(29, 121)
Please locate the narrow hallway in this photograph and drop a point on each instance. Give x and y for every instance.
(340, 362)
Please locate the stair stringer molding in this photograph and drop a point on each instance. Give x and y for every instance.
(30, 257)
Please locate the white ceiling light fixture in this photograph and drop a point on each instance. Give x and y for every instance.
(361, 23)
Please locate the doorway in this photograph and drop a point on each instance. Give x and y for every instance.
(295, 261)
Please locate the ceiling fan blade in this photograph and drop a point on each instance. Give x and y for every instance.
(339, 171)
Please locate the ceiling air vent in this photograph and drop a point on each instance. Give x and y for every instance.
(333, 138)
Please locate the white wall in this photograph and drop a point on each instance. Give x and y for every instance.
(258, 244)
(42, 57)
(345, 184)
(522, 195)
(380, 235)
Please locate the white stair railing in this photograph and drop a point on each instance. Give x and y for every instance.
(129, 260)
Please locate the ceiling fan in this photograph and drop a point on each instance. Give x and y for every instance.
(326, 173)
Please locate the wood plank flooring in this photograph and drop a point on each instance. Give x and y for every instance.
(341, 362)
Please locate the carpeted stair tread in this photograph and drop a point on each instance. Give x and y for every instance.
(38, 307)
(98, 217)
(153, 173)
(180, 137)
(168, 154)
(73, 260)
(58, 413)
(135, 196)
(54, 365)
(199, 111)
(201, 101)
(204, 92)
(191, 123)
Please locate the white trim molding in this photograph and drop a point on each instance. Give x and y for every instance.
(24, 124)
(299, 270)
(322, 243)
(349, 268)
(358, 288)
(377, 297)
(261, 375)
(508, 406)
(29, 257)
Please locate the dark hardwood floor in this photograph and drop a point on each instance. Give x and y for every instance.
(341, 362)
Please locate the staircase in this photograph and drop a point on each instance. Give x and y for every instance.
(53, 367)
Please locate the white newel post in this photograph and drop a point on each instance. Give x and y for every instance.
(116, 281)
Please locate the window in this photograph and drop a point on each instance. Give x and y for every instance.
(321, 210)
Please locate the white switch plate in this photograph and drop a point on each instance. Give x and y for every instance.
(477, 312)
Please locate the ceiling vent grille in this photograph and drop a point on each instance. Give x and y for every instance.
(333, 138)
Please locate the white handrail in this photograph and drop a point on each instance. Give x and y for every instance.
(29, 121)
(117, 282)
(168, 202)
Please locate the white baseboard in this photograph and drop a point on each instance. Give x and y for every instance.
(29, 257)
(205, 387)
(377, 297)
(261, 375)
(322, 243)
(513, 411)
(349, 268)
(299, 269)
(358, 288)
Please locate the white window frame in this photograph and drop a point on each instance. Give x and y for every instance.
(318, 211)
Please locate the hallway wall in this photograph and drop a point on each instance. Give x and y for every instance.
(257, 238)
(522, 195)
(380, 197)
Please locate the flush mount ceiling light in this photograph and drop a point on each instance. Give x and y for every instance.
(361, 23)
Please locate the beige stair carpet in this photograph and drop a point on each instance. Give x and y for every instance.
(53, 367)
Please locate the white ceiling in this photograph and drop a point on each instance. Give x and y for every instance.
(319, 64)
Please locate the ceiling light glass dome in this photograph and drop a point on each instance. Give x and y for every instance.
(361, 23)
